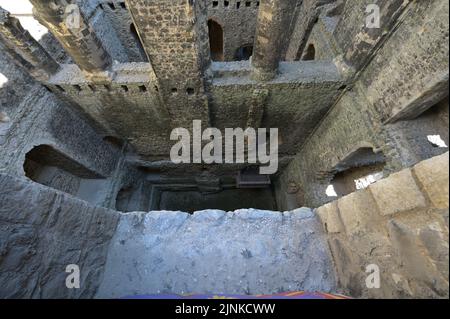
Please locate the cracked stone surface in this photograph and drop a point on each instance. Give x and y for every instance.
(241, 252)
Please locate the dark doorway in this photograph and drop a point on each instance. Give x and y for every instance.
(310, 53)
(216, 40)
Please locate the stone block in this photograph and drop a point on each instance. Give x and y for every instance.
(358, 212)
(397, 193)
(329, 215)
(433, 175)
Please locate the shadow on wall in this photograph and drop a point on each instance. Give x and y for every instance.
(138, 42)
(47, 166)
(310, 53)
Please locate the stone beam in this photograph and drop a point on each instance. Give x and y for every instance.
(24, 49)
(270, 39)
(175, 36)
(64, 19)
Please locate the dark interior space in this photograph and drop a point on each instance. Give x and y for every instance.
(216, 40)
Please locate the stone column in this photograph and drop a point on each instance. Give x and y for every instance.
(271, 36)
(64, 19)
(24, 49)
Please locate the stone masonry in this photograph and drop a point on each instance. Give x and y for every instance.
(91, 90)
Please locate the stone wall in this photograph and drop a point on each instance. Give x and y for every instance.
(42, 120)
(399, 224)
(42, 231)
(33, 118)
(238, 20)
(306, 20)
(119, 18)
(408, 75)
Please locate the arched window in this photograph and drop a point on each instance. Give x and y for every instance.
(243, 53)
(216, 40)
(310, 53)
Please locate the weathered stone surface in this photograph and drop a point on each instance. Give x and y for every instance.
(424, 278)
(100, 126)
(244, 252)
(42, 231)
(330, 217)
(358, 212)
(78, 38)
(434, 178)
(398, 193)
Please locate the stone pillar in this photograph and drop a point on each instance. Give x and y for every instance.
(64, 19)
(24, 49)
(274, 19)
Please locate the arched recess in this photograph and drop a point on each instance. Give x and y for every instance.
(357, 171)
(216, 40)
(47, 166)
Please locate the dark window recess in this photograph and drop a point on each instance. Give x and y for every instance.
(243, 53)
(215, 40)
(142, 88)
(190, 91)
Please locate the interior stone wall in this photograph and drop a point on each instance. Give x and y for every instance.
(400, 224)
(120, 19)
(239, 24)
(307, 18)
(359, 117)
